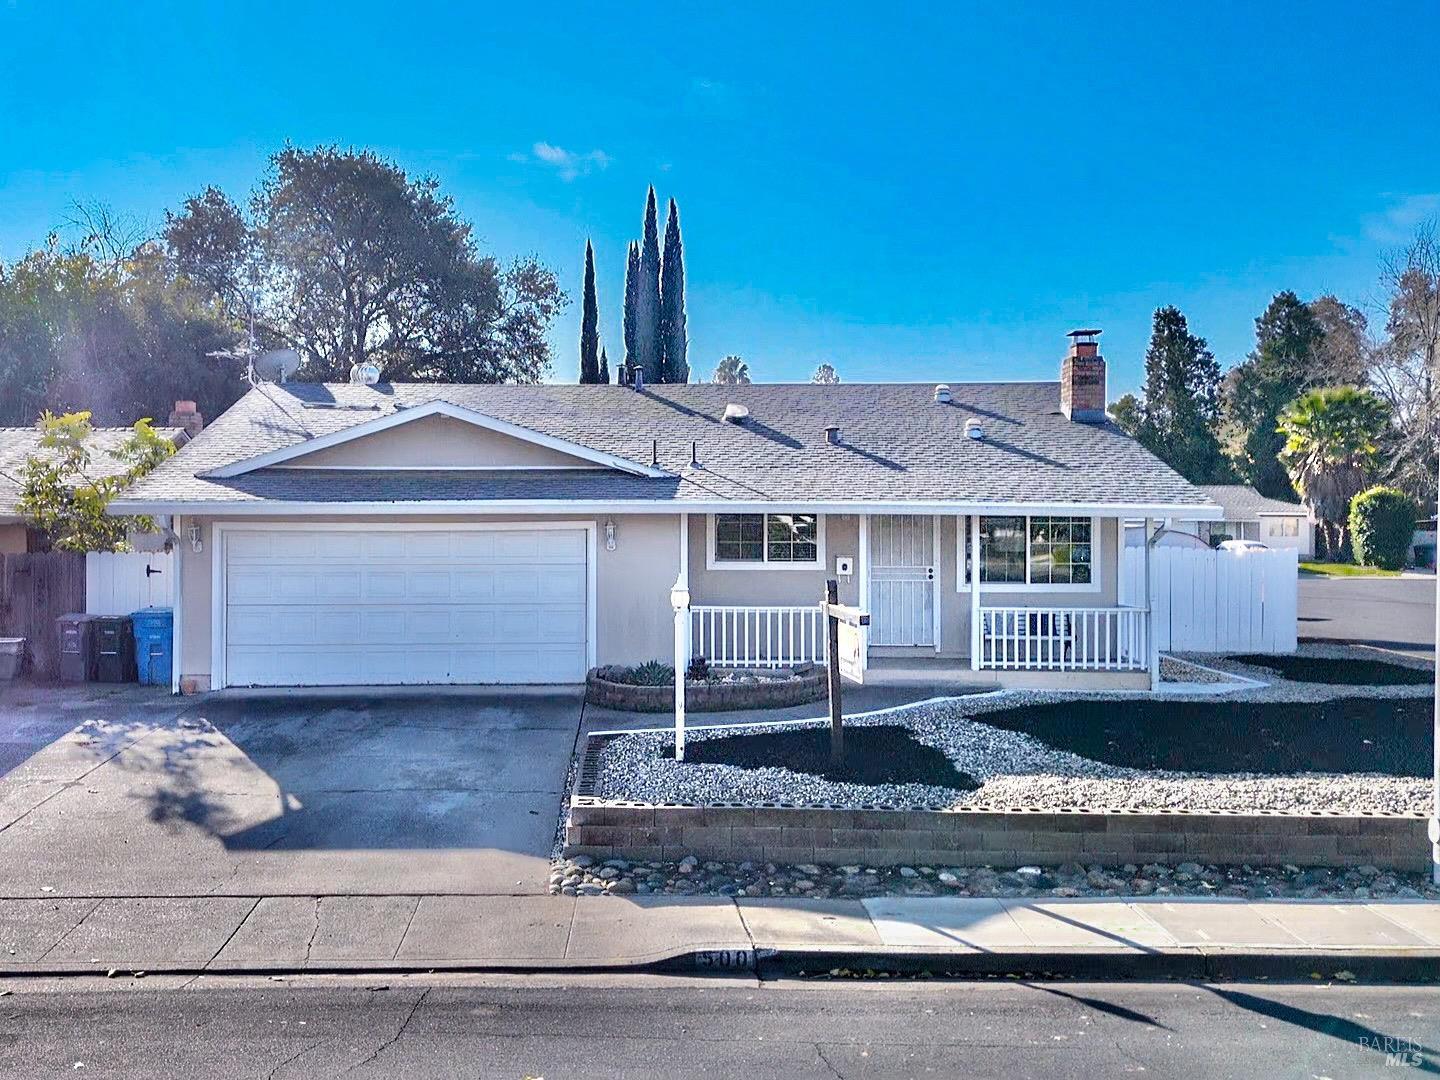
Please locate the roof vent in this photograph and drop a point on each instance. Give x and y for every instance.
(832, 435)
(974, 429)
(365, 373)
(736, 414)
(942, 394)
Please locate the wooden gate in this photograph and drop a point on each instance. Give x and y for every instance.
(35, 590)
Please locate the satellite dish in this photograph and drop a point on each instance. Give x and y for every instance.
(277, 365)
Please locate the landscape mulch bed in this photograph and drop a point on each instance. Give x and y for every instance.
(1338, 671)
(874, 754)
(1392, 736)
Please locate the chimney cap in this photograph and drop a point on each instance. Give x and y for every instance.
(1084, 333)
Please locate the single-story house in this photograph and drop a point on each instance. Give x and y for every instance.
(1251, 516)
(19, 444)
(418, 533)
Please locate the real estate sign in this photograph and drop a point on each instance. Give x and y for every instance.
(851, 652)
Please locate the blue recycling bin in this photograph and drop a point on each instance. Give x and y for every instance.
(153, 635)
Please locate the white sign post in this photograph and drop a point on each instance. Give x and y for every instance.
(842, 659)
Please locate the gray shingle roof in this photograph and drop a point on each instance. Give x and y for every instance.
(19, 443)
(1243, 503)
(897, 445)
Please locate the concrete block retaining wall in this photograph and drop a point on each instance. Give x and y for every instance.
(787, 834)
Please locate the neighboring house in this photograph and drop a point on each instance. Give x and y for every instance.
(411, 533)
(1251, 516)
(17, 445)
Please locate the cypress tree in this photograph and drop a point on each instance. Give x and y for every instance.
(632, 313)
(1180, 416)
(648, 351)
(589, 323)
(675, 368)
(604, 366)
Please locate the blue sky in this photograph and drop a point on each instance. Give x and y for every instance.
(924, 197)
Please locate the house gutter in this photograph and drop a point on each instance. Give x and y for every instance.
(470, 507)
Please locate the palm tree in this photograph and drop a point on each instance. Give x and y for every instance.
(732, 371)
(1332, 441)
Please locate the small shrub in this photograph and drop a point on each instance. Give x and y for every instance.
(1382, 520)
(699, 670)
(650, 673)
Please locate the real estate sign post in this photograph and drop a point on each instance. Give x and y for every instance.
(843, 624)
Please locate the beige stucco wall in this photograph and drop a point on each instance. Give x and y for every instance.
(12, 539)
(774, 583)
(438, 442)
(634, 621)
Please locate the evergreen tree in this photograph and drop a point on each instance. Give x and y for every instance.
(675, 367)
(649, 353)
(589, 323)
(1180, 414)
(826, 375)
(1284, 364)
(604, 366)
(632, 313)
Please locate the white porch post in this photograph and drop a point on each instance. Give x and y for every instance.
(1152, 640)
(863, 581)
(976, 638)
(680, 601)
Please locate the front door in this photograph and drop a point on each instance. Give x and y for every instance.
(902, 579)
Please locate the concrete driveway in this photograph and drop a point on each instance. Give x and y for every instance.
(128, 792)
(1393, 613)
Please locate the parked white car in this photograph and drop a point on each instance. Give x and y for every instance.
(1243, 545)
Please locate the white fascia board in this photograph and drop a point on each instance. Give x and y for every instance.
(263, 508)
(419, 412)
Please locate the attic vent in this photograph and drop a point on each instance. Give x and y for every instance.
(366, 373)
(736, 414)
(973, 429)
(942, 394)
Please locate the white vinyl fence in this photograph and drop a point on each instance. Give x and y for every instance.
(1217, 601)
(117, 583)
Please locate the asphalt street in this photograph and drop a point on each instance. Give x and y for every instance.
(1392, 613)
(649, 1026)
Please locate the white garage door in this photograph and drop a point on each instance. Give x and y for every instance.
(335, 606)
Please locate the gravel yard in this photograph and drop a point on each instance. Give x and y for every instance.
(1119, 751)
(585, 876)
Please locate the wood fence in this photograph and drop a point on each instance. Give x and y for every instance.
(35, 590)
(1217, 601)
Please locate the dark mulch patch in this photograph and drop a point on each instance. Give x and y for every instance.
(1340, 672)
(1347, 735)
(882, 754)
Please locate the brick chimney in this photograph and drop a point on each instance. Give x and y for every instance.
(186, 416)
(1082, 379)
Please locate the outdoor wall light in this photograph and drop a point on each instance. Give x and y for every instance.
(196, 545)
(609, 536)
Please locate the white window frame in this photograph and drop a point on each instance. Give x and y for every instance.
(1097, 562)
(763, 563)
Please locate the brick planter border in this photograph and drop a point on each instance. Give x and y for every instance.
(706, 697)
(983, 836)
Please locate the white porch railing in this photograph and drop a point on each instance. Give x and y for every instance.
(757, 637)
(1064, 639)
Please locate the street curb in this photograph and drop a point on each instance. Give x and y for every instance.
(1174, 964)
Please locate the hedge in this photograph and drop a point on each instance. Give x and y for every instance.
(1382, 520)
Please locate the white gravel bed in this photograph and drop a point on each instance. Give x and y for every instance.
(1278, 688)
(1014, 770)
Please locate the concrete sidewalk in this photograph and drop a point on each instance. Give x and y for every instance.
(1173, 938)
